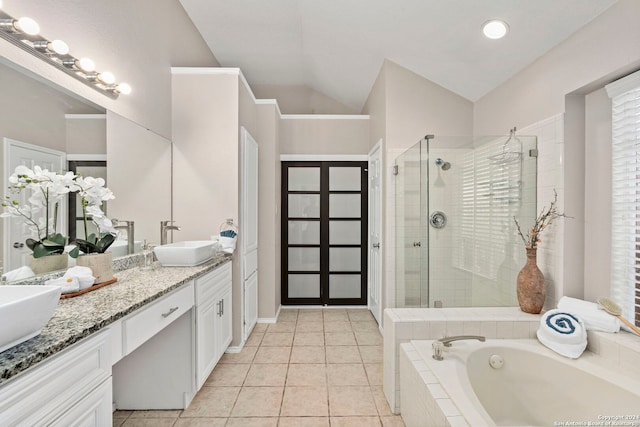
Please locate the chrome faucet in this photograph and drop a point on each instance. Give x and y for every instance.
(164, 227)
(128, 227)
(438, 346)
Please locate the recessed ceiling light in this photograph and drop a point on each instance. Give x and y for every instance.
(495, 29)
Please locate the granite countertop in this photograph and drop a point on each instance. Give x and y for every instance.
(78, 317)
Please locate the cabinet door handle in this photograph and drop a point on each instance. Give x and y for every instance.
(219, 311)
(222, 310)
(168, 313)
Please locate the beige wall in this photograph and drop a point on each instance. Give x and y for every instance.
(86, 134)
(323, 135)
(300, 99)
(122, 37)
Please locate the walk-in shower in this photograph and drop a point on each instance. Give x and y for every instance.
(455, 199)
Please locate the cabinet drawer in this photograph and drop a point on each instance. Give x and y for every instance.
(211, 283)
(150, 320)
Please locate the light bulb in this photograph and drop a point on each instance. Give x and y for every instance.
(495, 29)
(86, 65)
(0, 4)
(124, 88)
(107, 77)
(59, 47)
(27, 26)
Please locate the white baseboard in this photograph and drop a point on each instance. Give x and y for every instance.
(235, 349)
(270, 319)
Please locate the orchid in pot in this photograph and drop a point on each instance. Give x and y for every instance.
(38, 207)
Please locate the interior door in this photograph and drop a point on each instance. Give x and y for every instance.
(16, 153)
(375, 233)
(249, 233)
(324, 233)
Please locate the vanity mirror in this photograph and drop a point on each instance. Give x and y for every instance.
(38, 116)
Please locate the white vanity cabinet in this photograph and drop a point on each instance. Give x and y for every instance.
(213, 320)
(71, 389)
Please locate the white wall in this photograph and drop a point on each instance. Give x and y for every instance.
(86, 134)
(300, 99)
(319, 134)
(136, 40)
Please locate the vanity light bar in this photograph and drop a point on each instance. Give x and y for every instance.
(24, 33)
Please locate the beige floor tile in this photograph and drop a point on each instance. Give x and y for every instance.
(374, 373)
(310, 326)
(369, 338)
(260, 327)
(254, 339)
(258, 402)
(149, 422)
(200, 422)
(304, 422)
(371, 353)
(228, 374)
(343, 354)
(212, 402)
(339, 338)
(117, 422)
(155, 414)
(355, 422)
(305, 401)
(288, 315)
(392, 421)
(281, 339)
(266, 374)
(253, 422)
(336, 315)
(307, 354)
(351, 401)
(245, 356)
(337, 326)
(308, 338)
(368, 326)
(310, 316)
(307, 375)
(122, 414)
(381, 401)
(347, 374)
(272, 355)
(282, 327)
(360, 315)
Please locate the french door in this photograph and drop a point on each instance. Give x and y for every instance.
(324, 233)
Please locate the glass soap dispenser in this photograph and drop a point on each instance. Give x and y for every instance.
(228, 229)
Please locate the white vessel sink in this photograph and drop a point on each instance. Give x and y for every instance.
(185, 254)
(119, 248)
(24, 311)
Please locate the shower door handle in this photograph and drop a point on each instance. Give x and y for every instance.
(376, 245)
(417, 244)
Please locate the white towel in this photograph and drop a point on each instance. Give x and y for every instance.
(68, 284)
(228, 243)
(84, 275)
(18, 274)
(563, 332)
(594, 317)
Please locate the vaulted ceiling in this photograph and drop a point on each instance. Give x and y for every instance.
(337, 46)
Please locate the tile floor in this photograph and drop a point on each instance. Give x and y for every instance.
(314, 367)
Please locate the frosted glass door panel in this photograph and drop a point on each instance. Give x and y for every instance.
(304, 286)
(344, 259)
(344, 205)
(304, 206)
(304, 179)
(304, 232)
(344, 179)
(344, 232)
(304, 259)
(345, 286)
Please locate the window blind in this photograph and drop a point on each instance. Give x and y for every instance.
(625, 191)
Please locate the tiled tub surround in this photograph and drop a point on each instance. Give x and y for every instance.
(79, 317)
(405, 324)
(437, 393)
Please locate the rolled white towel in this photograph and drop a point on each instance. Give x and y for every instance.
(594, 317)
(19, 273)
(563, 332)
(68, 284)
(84, 275)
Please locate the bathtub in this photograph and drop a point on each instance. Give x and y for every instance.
(533, 387)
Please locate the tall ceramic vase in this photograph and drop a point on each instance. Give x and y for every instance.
(100, 264)
(531, 288)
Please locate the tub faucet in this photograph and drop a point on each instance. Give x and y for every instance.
(439, 345)
(119, 224)
(448, 340)
(164, 227)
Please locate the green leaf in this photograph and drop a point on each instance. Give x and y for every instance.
(74, 252)
(104, 243)
(86, 246)
(31, 244)
(39, 251)
(57, 238)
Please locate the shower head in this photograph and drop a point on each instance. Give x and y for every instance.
(442, 164)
